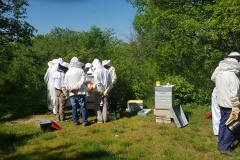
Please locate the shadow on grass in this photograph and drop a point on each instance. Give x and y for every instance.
(42, 154)
(9, 141)
(127, 114)
(188, 114)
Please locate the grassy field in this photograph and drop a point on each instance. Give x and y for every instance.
(130, 137)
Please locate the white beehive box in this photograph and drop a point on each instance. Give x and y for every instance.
(164, 96)
(134, 105)
(162, 112)
(163, 119)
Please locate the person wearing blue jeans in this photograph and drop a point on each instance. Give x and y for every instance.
(228, 93)
(75, 101)
(75, 84)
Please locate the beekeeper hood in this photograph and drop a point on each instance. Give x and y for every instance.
(52, 62)
(63, 67)
(88, 67)
(106, 63)
(96, 64)
(230, 63)
(65, 64)
(75, 63)
(60, 60)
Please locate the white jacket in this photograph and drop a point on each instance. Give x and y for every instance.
(59, 80)
(75, 78)
(101, 74)
(113, 74)
(227, 84)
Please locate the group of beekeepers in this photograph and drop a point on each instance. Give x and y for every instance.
(69, 84)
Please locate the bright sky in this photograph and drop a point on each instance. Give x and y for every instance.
(80, 15)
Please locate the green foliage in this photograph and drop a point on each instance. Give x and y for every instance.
(25, 91)
(13, 28)
(187, 40)
(183, 90)
(177, 42)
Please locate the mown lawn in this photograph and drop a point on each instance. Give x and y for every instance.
(127, 138)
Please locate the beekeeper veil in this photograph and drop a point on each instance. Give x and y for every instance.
(230, 63)
(75, 63)
(96, 64)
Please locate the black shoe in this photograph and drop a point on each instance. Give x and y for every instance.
(227, 152)
(86, 124)
(76, 123)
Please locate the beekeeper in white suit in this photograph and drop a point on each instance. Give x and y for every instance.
(103, 85)
(90, 94)
(228, 93)
(112, 103)
(75, 83)
(53, 65)
(49, 81)
(60, 91)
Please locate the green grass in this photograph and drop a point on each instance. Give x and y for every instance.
(131, 137)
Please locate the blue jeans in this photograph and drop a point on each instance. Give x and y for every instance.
(75, 101)
(225, 135)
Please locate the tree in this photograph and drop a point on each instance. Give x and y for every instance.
(189, 37)
(13, 28)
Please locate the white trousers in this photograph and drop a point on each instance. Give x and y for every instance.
(216, 115)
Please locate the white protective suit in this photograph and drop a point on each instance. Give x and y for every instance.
(227, 84)
(50, 82)
(48, 79)
(111, 70)
(101, 75)
(216, 115)
(59, 78)
(103, 84)
(89, 82)
(89, 72)
(75, 78)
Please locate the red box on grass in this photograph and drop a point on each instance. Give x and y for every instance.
(56, 126)
(49, 125)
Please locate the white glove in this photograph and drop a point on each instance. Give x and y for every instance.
(100, 88)
(110, 86)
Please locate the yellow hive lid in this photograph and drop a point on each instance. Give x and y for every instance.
(135, 101)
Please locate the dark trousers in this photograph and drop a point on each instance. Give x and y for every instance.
(112, 103)
(225, 136)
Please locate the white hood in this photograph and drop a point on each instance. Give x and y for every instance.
(229, 64)
(97, 64)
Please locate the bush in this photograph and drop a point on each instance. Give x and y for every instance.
(183, 90)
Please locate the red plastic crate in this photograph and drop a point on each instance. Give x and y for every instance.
(56, 126)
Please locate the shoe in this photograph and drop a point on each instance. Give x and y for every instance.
(76, 123)
(86, 124)
(227, 152)
(99, 122)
